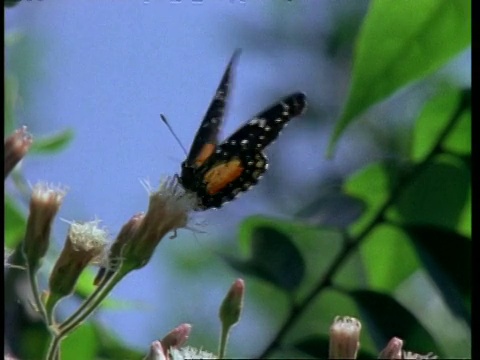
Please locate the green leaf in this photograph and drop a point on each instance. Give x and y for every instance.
(372, 185)
(465, 222)
(33, 340)
(432, 121)
(274, 258)
(437, 196)
(318, 247)
(52, 144)
(400, 42)
(332, 208)
(315, 345)
(383, 318)
(15, 223)
(112, 347)
(388, 256)
(447, 258)
(81, 344)
(459, 140)
(10, 3)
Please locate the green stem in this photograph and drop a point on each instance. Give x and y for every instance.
(85, 310)
(54, 349)
(91, 303)
(223, 341)
(326, 280)
(36, 293)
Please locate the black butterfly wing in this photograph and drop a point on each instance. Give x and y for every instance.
(265, 127)
(224, 175)
(206, 137)
(238, 163)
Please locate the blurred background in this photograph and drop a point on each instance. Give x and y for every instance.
(106, 71)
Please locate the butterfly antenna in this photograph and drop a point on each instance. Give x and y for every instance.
(164, 119)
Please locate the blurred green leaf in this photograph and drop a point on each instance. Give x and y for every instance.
(332, 208)
(33, 340)
(274, 258)
(433, 119)
(459, 141)
(314, 345)
(465, 222)
(318, 247)
(400, 43)
(373, 185)
(52, 144)
(447, 258)
(112, 348)
(15, 223)
(437, 196)
(383, 318)
(10, 3)
(388, 256)
(81, 344)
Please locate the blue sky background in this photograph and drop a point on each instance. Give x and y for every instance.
(107, 70)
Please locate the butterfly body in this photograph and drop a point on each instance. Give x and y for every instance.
(218, 173)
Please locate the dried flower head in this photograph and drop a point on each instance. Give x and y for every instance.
(415, 356)
(44, 205)
(85, 245)
(190, 353)
(16, 146)
(168, 210)
(344, 338)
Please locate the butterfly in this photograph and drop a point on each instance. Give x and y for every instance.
(217, 173)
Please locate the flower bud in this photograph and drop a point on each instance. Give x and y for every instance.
(16, 146)
(168, 211)
(177, 337)
(85, 244)
(44, 205)
(156, 352)
(232, 305)
(344, 338)
(114, 255)
(393, 350)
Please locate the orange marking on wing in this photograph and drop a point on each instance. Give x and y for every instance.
(222, 175)
(204, 154)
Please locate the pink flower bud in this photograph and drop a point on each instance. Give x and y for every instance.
(156, 352)
(232, 305)
(16, 146)
(393, 350)
(177, 337)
